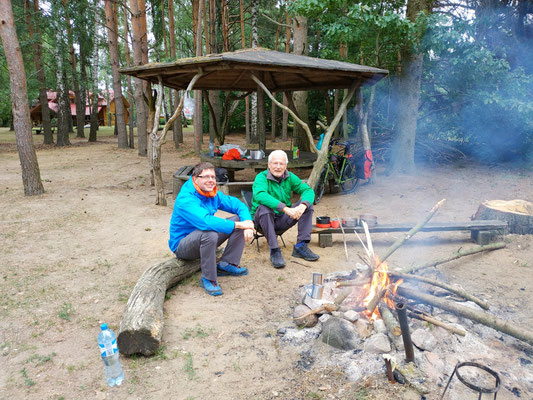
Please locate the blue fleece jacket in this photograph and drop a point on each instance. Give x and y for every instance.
(193, 211)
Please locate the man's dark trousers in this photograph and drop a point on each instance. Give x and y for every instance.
(270, 222)
(203, 245)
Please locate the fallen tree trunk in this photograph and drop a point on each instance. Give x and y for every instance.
(459, 254)
(141, 327)
(475, 315)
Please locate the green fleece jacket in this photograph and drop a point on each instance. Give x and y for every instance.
(276, 195)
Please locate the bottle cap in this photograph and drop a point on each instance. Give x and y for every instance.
(103, 327)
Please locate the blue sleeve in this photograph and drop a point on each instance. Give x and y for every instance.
(195, 213)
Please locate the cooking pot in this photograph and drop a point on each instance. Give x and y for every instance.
(257, 154)
(323, 222)
(349, 222)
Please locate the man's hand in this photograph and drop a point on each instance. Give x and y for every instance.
(295, 212)
(248, 224)
(248, 235)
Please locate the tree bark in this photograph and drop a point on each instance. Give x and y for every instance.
(31, 177)
(130, 97)
(141, 326)
(300, 97)
(402, 157)
(112, 37)
(94, 80)
(37, 57)
(198, 112)
(177, 130)
(140, 105)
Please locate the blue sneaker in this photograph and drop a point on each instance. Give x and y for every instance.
(210, 287)
(225, 269)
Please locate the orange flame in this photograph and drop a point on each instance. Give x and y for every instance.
(380, 282)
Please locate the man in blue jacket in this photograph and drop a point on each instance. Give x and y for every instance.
(195, 231)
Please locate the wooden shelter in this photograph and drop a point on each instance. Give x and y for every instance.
(278, 71)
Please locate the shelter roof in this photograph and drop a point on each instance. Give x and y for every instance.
(278, 71)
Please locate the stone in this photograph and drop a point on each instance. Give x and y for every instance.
(379, 344)
(312, 303)
(363, 328)
(339, 333)
(351, 315)
(323, 318)
(308, 321)
(379, 326)
(424, 340)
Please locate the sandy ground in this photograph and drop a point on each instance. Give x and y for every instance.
(71, 257)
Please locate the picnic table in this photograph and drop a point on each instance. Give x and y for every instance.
(305, 160)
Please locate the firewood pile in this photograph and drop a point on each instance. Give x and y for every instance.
(372, 310)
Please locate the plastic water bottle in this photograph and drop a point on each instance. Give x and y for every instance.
(107, 341)
(211, 148)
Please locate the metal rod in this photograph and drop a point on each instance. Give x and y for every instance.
(404, 326)
(390, 374)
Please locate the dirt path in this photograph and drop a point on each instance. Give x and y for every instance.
(70, 258)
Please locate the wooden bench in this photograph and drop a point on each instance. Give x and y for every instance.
(482, 231)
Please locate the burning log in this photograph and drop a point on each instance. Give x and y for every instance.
(460, 292)
(432, 320)
(389, 319)
(412, 232)
(459, 254)
(475, 315)
(373, 303)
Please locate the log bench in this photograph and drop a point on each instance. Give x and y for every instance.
(141, 326)
(482, 231)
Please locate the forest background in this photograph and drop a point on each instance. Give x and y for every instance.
(460, 82)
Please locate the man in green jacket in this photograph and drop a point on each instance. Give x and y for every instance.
(273, 211)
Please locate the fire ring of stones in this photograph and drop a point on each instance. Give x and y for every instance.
(340, 329)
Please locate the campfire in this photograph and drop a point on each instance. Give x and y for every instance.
(365, 311)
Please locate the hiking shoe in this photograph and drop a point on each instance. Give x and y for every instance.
(304, 252)
(225, 269)
(211, 287)
(276, 258)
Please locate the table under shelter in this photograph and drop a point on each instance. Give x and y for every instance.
(265, 72)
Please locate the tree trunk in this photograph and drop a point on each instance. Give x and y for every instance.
(140, 105)
(141, 326)
(37, 57)
(402, 157)
(198, 113)
(517, 213)
(31, 177)
(300, 98)
(403, 151)
(94, 79)
(130, 97)
(112, 37)
(254, 128)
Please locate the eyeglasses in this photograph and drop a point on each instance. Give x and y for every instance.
(208, 177)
